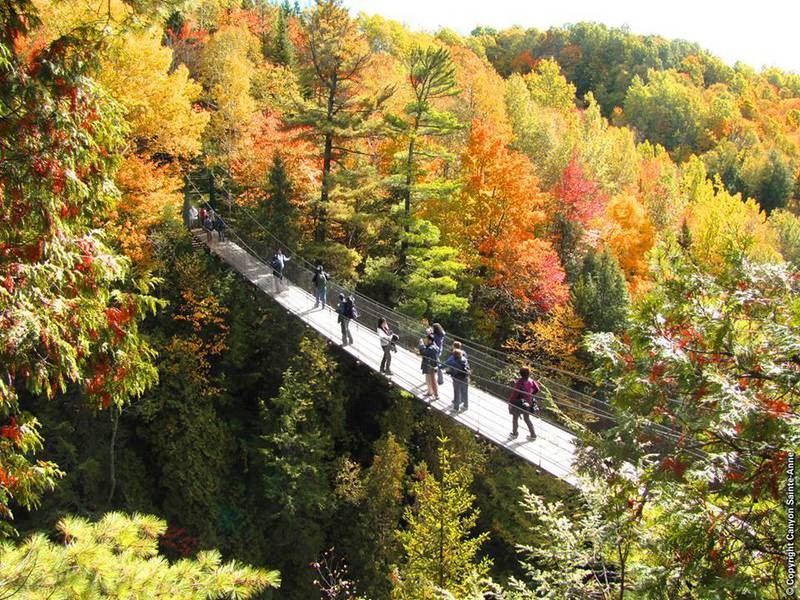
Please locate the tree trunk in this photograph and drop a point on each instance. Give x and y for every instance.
(321, 216)
(112, 454)
(407, 193)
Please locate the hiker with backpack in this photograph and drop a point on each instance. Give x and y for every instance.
(427, 349)
(278, 264)
(438, 340)
(208, 227)
(388, 345)
(347, 310)
(522, 402)
(458, 369)
(219, 225)
(320, 282)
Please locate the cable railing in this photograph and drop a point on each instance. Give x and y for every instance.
(559, 405)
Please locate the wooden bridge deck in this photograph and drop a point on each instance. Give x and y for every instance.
(554, 448)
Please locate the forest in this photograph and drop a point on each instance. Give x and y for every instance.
(619, 212)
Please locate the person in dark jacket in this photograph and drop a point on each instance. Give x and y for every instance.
(208, 227)
(429, 363)
(279, 261)
(219, 225)
(345, 309)
(458, 369)
(320, 281)
(438, 340)
(522, 402)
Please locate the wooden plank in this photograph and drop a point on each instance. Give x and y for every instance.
(553, 450)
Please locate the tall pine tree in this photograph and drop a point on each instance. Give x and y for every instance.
(439, 554)
(431, 75)
(337, 111)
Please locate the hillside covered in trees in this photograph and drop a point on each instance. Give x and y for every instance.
(618, 212)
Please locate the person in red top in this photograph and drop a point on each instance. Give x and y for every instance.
(521, 402)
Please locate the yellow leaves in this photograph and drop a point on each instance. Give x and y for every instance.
(720, 222)
(481, 90)
(228, 68)
(157, 102)
(549, 88)
(630, 235)
(552, 340)
(205, 316)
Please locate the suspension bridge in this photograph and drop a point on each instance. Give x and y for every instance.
(553, 450)
(249, 248)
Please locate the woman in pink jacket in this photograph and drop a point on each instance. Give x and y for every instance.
(522, 402)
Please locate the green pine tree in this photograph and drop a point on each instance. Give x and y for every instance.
(337, 111)
(278, 211)
(432, 76)
(600, 295)
(296, 457)
(281, 49)
(439, 554)
(117, 557)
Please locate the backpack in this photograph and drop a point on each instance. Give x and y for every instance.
(276, 264)
(320, 279)
(349, 309)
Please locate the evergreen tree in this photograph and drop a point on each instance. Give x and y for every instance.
(568, 236)
(337, 111)
(281, 49)
(774, 183)
(295, 458)
(117, 557)
(431, 287)
(439, 554)
(382, 508)
(431, 74)
(583, 553)
(600, 295)
(278, 211)
(181, 416)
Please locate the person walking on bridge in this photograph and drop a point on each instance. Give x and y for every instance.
(458, 369)
(219, 225)
(522, 402)
(438, 340)
(347, 310)
(320, 281)
(388, 340)
(208, 227)
(429, 363)
(279, 261)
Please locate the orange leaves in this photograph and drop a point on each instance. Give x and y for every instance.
(205, 316)
(117, 318)
(500, 207)
(149, 191)
(256, 152)
(530, 272)
(500, 198)
(11, 431)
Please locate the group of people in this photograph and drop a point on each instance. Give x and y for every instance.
(521, 403)
(209, 220)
